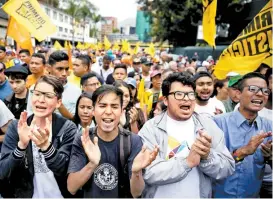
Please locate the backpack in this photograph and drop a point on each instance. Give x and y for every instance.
(124, 153)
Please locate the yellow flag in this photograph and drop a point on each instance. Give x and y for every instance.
(116, 46)
(57, 45)
(107, 44)
(30, 15)
(141, 93)
(209, 27)
(151, 50)
(20, 35)
(251, 48)
(136, 49)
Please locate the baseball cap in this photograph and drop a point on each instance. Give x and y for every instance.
(146, 61)
(131, 81)
(232, 74)
(16, 69)
(155, 73)
(234, 80)
(136, 61)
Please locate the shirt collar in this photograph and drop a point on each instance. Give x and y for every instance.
(240, 119)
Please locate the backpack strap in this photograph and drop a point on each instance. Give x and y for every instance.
(125, 146)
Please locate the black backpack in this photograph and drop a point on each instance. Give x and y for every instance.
(124, 153)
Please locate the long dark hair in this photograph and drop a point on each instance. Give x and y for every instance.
(76, 118)
(120, 83)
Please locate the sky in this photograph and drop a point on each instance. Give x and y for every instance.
(122, 9)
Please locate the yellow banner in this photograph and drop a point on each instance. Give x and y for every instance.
(208, 23)
(19, 34)
(251, 48)
(30, 15)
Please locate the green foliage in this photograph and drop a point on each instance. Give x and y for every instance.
(176, 21)
(115, 30)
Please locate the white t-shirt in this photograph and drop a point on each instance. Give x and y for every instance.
(5, 114)
(181, 136)
(45, 184)
(209, 109)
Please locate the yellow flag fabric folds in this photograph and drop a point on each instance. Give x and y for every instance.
(151, 50)
(209, 27)
(251, 48)
(107, 44)
(136, 49)
(30, 15)
(19, 34)
(57, 45)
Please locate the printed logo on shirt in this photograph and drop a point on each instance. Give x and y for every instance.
(39, 161)
(106, 177)
(176, 149)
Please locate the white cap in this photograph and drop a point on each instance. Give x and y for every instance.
(232, 74)
(205, 64)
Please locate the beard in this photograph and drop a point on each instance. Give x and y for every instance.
(201, 99)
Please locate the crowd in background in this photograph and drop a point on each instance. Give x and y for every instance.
(205, 137)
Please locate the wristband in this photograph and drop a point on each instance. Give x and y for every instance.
(236, 157)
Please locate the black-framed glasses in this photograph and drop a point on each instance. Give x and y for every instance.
(1, 70)
(256, 89)
(47, 95)
(179, 95)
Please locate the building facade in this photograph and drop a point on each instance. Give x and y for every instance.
(108, 24)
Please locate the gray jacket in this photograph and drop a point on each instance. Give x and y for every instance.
(219, 164)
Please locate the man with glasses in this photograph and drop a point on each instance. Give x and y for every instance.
(192, 148)
(245, 134)
(90, 82)
(58, 67)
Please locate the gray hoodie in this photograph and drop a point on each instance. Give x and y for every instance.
(219, 164)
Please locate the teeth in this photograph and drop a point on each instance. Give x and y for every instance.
(257, 101)
(107, 120)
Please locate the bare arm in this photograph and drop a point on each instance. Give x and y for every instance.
(137, 184)
(65, 113)
(76, 180)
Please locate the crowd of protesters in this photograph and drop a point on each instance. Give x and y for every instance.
(117, 125)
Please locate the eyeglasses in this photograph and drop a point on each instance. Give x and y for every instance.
(47, 95)
(1, 70)
(179, 95)
(256, 89)
(93, 85)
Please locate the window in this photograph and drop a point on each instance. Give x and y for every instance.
(65, 30)
(55, 15)
(71, 31)
(61, 17)
(66, 19)
(47, 11)
(60, 29)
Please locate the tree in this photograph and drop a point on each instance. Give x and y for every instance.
(176, 21)
(86, 12)
(74, 11)
(96, 18)
(115, 30)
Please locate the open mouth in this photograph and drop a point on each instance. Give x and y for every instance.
(185, 107)
(108, 121)
(40, 108)
(205, 94)
(257, 102)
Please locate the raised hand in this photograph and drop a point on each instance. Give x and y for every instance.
(144, 158)
(202, 144)
(24, 130)
(91, 149)
(267, 149)
(133, 114)
(254, 142)
(41, 136)
(218, 111)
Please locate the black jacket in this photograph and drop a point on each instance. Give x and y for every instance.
(9, 101)
(17, 172)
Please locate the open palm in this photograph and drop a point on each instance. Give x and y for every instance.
(91, 149)
(24, 131)
(144, 158)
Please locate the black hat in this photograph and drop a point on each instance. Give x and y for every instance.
(201, 74)
(3, 48)
(16, 69)
(146, 61)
